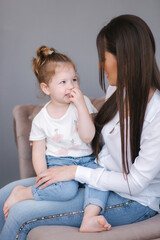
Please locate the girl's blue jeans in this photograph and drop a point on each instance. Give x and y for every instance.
(29, 214)
(64, 191)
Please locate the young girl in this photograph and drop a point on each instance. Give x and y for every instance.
(61, 134)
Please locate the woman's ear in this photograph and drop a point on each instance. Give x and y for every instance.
(45, 88)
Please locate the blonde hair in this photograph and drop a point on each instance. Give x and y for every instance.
(46, 62)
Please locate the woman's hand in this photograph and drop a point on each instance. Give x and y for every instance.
(55, 174)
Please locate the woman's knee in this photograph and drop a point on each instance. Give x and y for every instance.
(17, 213)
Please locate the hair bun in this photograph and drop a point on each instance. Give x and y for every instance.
(44, 51)
(45, 62)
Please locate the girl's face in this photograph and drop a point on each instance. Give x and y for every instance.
(61, 84)
(110, 68)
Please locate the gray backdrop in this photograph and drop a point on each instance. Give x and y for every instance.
(70, 26)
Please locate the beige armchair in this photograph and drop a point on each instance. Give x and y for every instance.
(145, 230)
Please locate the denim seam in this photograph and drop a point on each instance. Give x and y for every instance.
(67, 214)
(119, 205)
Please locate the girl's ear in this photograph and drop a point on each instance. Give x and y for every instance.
(45, 88)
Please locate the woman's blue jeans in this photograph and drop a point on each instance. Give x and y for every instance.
(29, 214)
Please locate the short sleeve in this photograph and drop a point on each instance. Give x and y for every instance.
(37, 132)
(90, 106)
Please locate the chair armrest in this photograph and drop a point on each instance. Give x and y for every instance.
(23, 116)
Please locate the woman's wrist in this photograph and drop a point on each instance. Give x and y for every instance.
(73, 171)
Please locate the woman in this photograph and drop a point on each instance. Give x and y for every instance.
(129, 125)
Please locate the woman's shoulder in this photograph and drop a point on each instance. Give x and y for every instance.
(110, 91)
(153, 107)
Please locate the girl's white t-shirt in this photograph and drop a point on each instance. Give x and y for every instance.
(61, 134)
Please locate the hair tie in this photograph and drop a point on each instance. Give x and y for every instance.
(51, 51)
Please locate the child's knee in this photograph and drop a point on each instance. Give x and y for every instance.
(70, 189)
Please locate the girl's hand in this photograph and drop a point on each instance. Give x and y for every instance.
(77, 97)
(55, 174)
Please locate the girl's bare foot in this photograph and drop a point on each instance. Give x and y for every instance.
(94, 224)
(18, 194)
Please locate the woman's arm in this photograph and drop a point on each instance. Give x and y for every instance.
(145, 168)
(86, 128)
(38, 156)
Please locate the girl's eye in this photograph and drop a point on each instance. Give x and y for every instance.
(62, 82)
(74, 80)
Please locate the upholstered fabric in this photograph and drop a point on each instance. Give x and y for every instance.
(146, 230)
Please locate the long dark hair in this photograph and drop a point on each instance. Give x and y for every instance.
(130, 39)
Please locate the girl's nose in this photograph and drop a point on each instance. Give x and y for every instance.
(70, 85)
